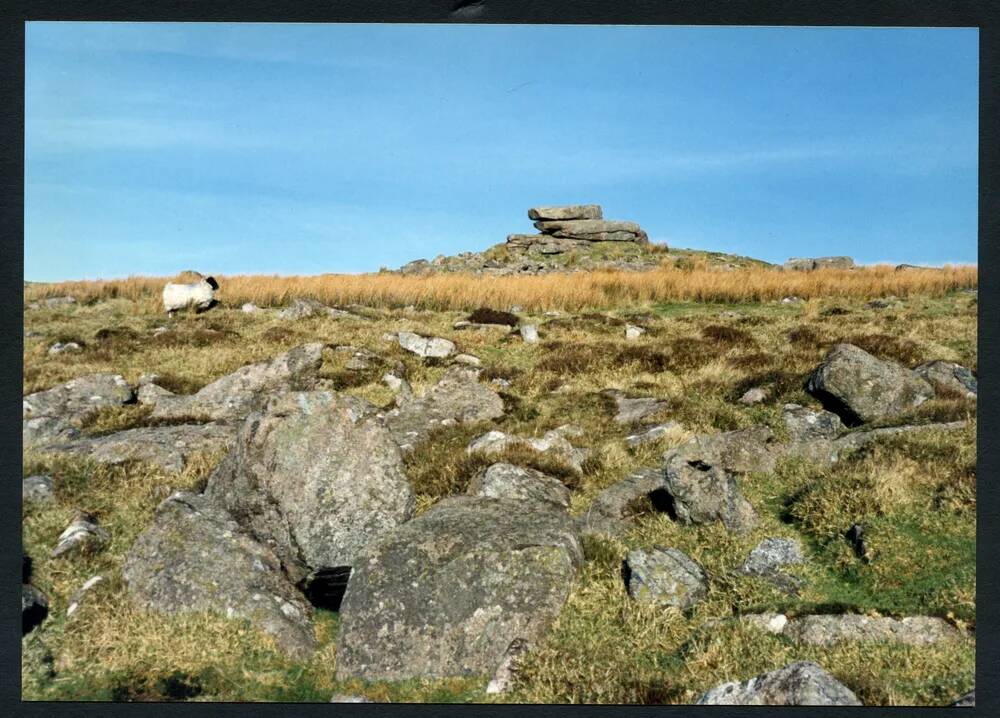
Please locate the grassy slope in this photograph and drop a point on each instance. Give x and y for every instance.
(916, 496)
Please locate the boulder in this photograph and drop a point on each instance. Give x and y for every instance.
(37, 489)
(83, 535)
(448, 592)
(50, 414)
(828, 630)
(316, 477)
(194, 557)
(606, 514)
(34, 608)
(949, 377)
(665, 576)
(633, 332)
(562, 212)
(704, 494)
(833, 263)
(861, 388)
(799, 264)
(235, 395)
(168, 447)
(458, 398)
(151, 393)
(53, 302)
(631, 410)
(769, 557)
(743, 451)
(802, 683)
(62, 348)
(507, 481)
(425, 346)
(529, 333)
(593, 230)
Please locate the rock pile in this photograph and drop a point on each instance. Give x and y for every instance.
(569, 226)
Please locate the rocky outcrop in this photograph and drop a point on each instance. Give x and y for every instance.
(806, 265)
(861, 388)
(458, 398)
(235, 395)
(50, 415)
(563, 212)
(195, 557)
(447, 593)
(797, 684)
(316, 477)
(665, 576)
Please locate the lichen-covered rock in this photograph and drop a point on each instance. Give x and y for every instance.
(807, 425)
(606, 514)
(827, 630)
(315, 476)
(49, 415)
(652, 434)
(194, 557)
(458, 398)
(168, 447)
(436, 347)
(861, 388)
(744, 451)
(448, 592)
(665, 576)
(769, 557)
(506, 673)
(507, 481)
(704, 494)
(950, 377)
(798, 684)
(83, 535)
(235, 395)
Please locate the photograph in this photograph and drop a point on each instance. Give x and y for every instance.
(487, 363)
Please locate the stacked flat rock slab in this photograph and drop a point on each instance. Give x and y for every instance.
(563, 227)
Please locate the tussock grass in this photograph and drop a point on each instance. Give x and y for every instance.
(553, 291)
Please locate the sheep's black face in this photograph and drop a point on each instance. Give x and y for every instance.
(212, 283)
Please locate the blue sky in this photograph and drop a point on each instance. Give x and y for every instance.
(279, 149)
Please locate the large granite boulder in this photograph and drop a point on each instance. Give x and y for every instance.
(798, 684)
(562, 212)
(195, 557)
(665, 576)
(607, 512)
(744, 451)
(50, 415)
(235, 395)
(168, 447)
(447, 593)
(315, 476)
(458, 398)
(593, 230)
(861, 388)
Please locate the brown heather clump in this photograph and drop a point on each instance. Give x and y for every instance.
(551, 291)
(485, 315)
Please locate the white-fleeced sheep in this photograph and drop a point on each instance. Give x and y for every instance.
(199, 294)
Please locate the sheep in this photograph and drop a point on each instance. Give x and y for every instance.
(200, 294)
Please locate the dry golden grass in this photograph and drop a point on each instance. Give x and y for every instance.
(552, 291)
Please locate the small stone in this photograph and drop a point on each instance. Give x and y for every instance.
(773, 623)
(77, 598)
(61, 348)
(506, 673)
(792, 300)
(529, 333)
(160, 330)
(769, 557)
(83, 535)
(754, 396)
(633, 409)
(950, 377)
(808, 425)
(37, 489)
(633, 332)
(250, 308)
(665, 576)
(435, 347)
(653, 434)
(468, 359)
